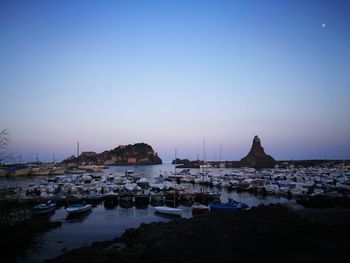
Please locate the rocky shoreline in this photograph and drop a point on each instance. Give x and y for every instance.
(19, 229)
(271, 233)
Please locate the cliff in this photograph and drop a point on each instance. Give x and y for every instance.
(132, 154)
(257, 156)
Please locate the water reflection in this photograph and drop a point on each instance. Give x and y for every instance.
(142, 211)
(110, 204)
(79, 217)
(165, 216)
(126, 204)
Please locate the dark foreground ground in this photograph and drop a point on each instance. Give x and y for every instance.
(15, 239)
(263, 234)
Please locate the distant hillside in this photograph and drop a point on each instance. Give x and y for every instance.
(132, 154)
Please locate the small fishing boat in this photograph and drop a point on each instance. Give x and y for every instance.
(239, 205)
(199, 208)
(168, 210)
(43, 208)
(77, 208)
(229, 207)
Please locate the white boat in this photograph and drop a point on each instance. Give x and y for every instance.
(94, 168)
(130, 173)
(198, 208)
(168, 210)
(21, 172)
(58, 170)
(40, 171)
(77, 208)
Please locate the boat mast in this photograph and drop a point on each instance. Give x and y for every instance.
(204, 157)
(175, 160)
(175, 177)
(77, 149)
(220, 154)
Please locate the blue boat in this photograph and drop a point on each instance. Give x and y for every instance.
(43, 208)
(229, 207)
(239, 205)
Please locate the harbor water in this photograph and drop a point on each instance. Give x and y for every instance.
(105, 223)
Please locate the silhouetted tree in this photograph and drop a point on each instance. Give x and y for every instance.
(4, 141)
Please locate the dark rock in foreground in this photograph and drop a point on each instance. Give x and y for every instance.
(262, 234)
(18, 231)
(257, 156)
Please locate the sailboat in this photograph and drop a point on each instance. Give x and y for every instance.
(221, 164)
(205, 164)
(170, 210)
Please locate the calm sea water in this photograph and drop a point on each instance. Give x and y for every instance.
(105, 224)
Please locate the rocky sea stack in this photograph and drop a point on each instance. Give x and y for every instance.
(257, 156)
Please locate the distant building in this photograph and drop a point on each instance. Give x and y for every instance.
(132, 160)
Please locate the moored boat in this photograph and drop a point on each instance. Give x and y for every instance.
(168, 210)
(21, 171)
(58, 170)
(92, 168)
(43, 208)
(199, 208)
(40, 171)
(230, 207)
(78, 208)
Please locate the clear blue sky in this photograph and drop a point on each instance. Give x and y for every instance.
(170, 73)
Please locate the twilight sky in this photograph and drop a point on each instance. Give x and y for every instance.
(170, 73)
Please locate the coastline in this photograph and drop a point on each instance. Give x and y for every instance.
(262, 234)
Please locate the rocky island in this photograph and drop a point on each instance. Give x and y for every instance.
(132, 154)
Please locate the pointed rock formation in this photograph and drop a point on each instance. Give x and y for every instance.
(257, 156)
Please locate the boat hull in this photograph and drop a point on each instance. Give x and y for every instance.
(219, 208)
(43, 209)
(78, 209)
(199, 209)
(229, 207)
(168, 210)
(21, 172)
